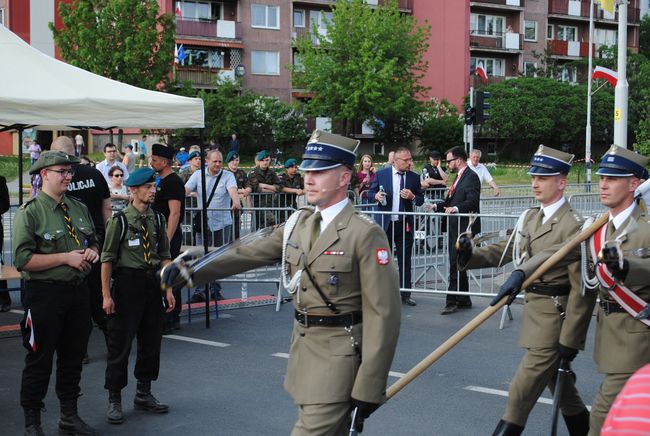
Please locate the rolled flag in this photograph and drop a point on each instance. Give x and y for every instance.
(179, 14)
(607, 5)
(605, 73)
(480, 71)
(175, 54)
(181, 55)
(29, 324)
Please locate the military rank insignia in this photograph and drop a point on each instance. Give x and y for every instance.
(383, 257)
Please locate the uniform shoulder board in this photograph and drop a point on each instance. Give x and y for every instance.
(365, 218)
(576, 215)
(27, 203)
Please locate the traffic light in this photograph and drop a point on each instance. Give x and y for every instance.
(470, 115)
(481, 106)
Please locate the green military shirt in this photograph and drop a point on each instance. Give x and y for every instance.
(130, 252)
(257, 176)
(295, 182)
(241, 178)
(40, 228)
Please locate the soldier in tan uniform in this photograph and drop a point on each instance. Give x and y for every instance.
(556, 314)
(346, 293)
(622, 341)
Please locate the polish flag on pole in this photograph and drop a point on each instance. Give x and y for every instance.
(179, 14)
(30, 325)
(480, 71)
(605, 73)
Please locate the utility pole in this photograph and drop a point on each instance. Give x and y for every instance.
(621, 91)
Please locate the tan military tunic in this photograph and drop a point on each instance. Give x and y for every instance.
(352, 264)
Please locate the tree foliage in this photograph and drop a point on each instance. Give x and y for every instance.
(125, 40)
(441, 127)
(644, 37)
(367, 66)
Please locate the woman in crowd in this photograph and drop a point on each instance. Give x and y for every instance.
(119, 193)
(365, 176)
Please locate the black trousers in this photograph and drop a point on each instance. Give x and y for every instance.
(96, 299)
(400, 233)
(458, 280)
(175, 250)
(60, 317)
(139, 312)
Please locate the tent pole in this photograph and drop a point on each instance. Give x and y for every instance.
(20, 166)
(204, 225)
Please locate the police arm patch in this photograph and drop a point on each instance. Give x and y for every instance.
(383, 257)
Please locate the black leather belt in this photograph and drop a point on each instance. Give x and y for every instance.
(609, 306)
(551, 291)
(343, 320)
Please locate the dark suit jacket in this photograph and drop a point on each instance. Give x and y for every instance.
(385, 178)
(466, 197)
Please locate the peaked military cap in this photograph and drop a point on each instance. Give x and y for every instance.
(326, 150)
(162, 151)
(140, 177)
(548, 161)
(621, 162)
(290, 163)
(50, 158)
(262, 155)
(232, 154)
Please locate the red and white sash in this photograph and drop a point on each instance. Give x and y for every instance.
(628, 300)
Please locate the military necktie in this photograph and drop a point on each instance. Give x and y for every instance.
(315, 229)
(610, 230)
(540, 219)
(146, 244)
(68, 223)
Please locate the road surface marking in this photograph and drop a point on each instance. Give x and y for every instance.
(501, 393)
(197, 341)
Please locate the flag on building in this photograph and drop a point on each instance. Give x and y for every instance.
(179, 13)
(179, 55)
(607, 5)
(605, 73)
(30, 325)
(480, 71)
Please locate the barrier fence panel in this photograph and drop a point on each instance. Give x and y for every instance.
(587, 204)
(508, 205)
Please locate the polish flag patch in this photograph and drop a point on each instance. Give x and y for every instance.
(383, 257)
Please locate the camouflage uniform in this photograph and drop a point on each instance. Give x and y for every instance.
(269, 177)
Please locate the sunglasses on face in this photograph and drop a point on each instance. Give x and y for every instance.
(118, 175)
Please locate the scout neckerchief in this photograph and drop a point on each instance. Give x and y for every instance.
(68, 223)
(146, 243)
(628, 300)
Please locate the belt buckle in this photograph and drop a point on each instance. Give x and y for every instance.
(305, 318)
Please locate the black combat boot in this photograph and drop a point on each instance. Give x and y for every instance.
(505, 428)
(578, 425)
(33, 422)
(144, 400)
(114, 413)
(70, 422)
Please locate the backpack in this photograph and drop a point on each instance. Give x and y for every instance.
(124, 223)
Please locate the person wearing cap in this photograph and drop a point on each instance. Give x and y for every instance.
(54, 247)
(193, 163)
(182, 156)
(110, 155)
(433, 176)
(291, 184)
(622, 333)
(135, 248)
(482, 171)
(129, 158)
(243, 188)
(348, 308)
(546, 333)
(170, 201)
(264, 183)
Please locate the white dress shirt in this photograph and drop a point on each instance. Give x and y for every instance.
(551, 209)
(619, 219)
(328, 215)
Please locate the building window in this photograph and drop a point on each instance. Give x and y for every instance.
(606, 36)
(567, 33)
(486, 25)
(530, 69)
(265, 16)
(199, 11)
(298, 18)
(530, 30)
(265, 62)
(2, 16)
(568, 75)
(298, 66)
(493, 67)
(203, 57)
(549, 31)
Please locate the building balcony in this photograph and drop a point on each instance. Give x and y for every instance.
(208, 28)
(580, 10)
(202, 77)
(497, 41)
(498, 4)
(404, 5)
(573, 49)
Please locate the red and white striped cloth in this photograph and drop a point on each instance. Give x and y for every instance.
(630, 413)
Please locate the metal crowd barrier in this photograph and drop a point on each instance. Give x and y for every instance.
(522, 190)
(586, 204)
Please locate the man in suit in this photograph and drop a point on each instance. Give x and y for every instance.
(463, 197)
(338, 264)
(556, 314)
(401, 190)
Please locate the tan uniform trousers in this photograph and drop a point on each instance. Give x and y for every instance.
(537, 370)
(609, 389)
(323, 420)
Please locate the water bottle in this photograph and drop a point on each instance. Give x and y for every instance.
(425, 174)
(244, 291)
(383, 198)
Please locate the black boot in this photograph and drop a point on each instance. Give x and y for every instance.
(70, 422)
(33, 422)
(578, 425)
(114, 413)
(144, 400)
(505, 428)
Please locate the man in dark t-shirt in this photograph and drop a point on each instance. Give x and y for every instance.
(170, 201)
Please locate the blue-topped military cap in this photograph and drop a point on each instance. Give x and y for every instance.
(326, 150)
(290, 163)
(50, 158)
(262, 155)
(232, 154)
(548, 161)
(621, 162)
(140, 177)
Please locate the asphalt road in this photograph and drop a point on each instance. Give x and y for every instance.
(229, 382)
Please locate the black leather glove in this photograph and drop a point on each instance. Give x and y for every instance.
(171, 276)
(567, 353)
(609, 256)
(464, 249)
(511, 287)
(364, 409)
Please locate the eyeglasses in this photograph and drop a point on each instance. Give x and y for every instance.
(118, 175)
(64, 173)
(451, 160)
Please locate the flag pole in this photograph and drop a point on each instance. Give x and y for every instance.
(621, 92)
(589, 84)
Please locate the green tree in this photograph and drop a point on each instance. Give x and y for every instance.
(644, 37)
(125, 40)
(366, 66)
(441, 128)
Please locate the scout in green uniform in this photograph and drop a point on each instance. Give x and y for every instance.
(556, 314)
(135, 248)
(622, 333)
(54, 247)
(264, 184)
(338, 264)
(243, 188)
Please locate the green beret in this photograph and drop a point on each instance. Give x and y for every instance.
(262, 155)
(290, 163)
(140, 177)
(232, 154)
(50, 158)
(193, 155)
